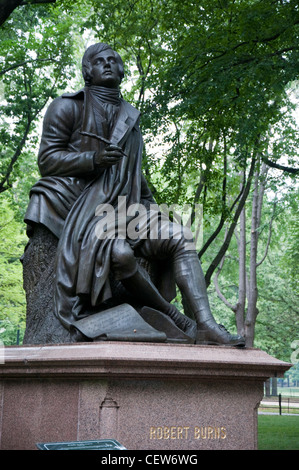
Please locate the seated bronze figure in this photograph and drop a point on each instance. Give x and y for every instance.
(90, 161)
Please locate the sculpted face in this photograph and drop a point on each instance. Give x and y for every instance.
(105, 69)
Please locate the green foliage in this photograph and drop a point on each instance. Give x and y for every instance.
(214, 82)
(278, 321)
(293, 372)
(210, 79)
(37, 57)
(12, 298)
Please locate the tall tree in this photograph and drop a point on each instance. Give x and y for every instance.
(216, 73)
(209, 77)
(36, 59)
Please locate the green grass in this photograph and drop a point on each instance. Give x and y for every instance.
(277, 432)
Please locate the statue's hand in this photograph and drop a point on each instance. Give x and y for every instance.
(110, 156)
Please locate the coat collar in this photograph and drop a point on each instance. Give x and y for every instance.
(127, 118)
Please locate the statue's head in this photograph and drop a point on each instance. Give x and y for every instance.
(102, 66)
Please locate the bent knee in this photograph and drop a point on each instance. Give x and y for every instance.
(123, 261)
(181, 240)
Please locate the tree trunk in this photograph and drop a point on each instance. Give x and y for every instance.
(221, 252)
(252, 291)
(240, 310)
(274, 387)
(257, 203)
(42, 326)
(268, 387)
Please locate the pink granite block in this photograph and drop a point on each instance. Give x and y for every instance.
(200, 414)
(38, 411)
(147, 396)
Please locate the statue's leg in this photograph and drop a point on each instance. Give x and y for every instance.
(190, 279)
(126, 270)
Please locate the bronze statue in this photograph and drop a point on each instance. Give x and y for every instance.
(90, 161)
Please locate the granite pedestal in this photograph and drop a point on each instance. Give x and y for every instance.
(146, 396)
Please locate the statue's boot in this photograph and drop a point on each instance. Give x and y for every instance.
(148, 294)
(191, 282)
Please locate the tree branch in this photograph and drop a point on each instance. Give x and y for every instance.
(280, 167)
(269, 237)
(219, 227)
(14, 158)
(8, 6)
(232, 227)
(29, 61)
(218, 291)
(4, 184)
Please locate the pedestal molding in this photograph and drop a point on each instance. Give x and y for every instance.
(137, 360)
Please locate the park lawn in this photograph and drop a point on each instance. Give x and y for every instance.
(277, 432)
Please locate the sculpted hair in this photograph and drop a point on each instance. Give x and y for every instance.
(90, 52)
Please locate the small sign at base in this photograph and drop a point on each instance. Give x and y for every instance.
(102, 444)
